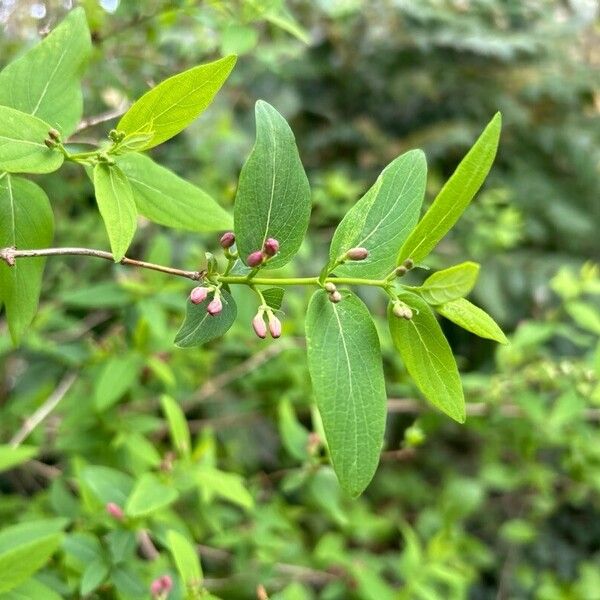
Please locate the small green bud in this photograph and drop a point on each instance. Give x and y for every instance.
(53, 134)
(330, 287)
(409, 263)
(401, 271)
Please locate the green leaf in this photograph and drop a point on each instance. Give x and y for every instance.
(31, 589)
(228, 486)
(26, 221)
(107, 484)
(117, 207)
(93, 576)
(449, 284)
(20, 562)
(178, 427)
(344, 360)
(455, 196)
(45, 81)
(585, 315)
(148, 496)
(273, 196)
(382, 219)
(174, 103)
(166, 199)
(199, 327)
(116, 377)
(273, 297)
(29, 531)
(186, 559)
(22, 147)
(293, 435)
(11, 457)
(428, 357)
(472, 318)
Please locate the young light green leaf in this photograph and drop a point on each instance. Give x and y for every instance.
(273, 297)
(178, 427)
(344, 361)
(108, 485)
(117, 207)
(174, 103)
(11, 457)
(93, 576)
(26, 221)
(45, 81)
(186, 559)
(229, 486)
(22, 148)
(166, 199)
(273, 196)
(148, 496)
(31, 588)
(382, 219)
(472, 318)
(449, 284)
(21, 561)
(199, 327)
(455, 196)
(428, 356)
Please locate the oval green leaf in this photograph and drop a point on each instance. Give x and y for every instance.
(382, 219)
(455, 196)
(428, 357)
(148, 496)
(186, 559)
(344, 360)
(167, 199)
(449, 284)
(117, 207)
(273, 196)
(22, 148)
(45, 81)
(174, 103)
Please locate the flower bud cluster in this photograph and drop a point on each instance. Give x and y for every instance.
(332, 291)
(161, 587)
(260, 327)
(402, 311)
(258, 257)
(199, 295)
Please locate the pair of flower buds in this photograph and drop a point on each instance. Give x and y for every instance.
(254, 259)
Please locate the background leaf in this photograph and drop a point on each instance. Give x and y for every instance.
(45, 81)
(178, 427)
(165, 198)
(148, 496)
(273, 196)
(345, 367)
(449, 284)
(186, 559)
(455, 196)
(117, 207)
(472, 318)
(26, 221)
(199, 327)
(22, 148)
(174, 103)
(382, 218)
(11, 457)
(428, 357)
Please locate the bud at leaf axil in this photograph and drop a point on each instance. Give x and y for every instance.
(330, 287)
(115, 511)
(271, 247)
(54, 135)
(357, 254)
(409, 263)
(227, 239)
(198, 295)
(255, 259)
(215, 306)
(259, 325)
(401, 270)
(402, 311)
(335, 297)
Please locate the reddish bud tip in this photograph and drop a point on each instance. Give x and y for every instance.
(227, 239)
(259, 325)
(274, 326)
(115, 511)
(156, 588)
(255, 259)
(357, 254)
(271, 247)
(198, 295)
(330, 287)
(167, 583)
(409, 263)
(215, 306)
(335, 297)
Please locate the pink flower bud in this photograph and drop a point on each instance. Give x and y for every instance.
(198, 295)
(335, 297)
(274, 326)
(115, 511)
(271, 247)
(227, 239)
(255, 259)
(167, 583)
(357, 254)
(156, 587)
(259, 325)
(215, 306)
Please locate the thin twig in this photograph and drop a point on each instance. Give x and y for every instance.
(10, 256)
(102, 117)
(43, 411)
(147, 547)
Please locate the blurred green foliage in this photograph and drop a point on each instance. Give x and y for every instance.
(506, 506)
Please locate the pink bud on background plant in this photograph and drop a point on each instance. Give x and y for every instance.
(274, 326)
(198, 295)
(255, 259)
(271, 247)
(357, 254)
(215, 306)
(115, 511)
(167, 583)
(259, 325)
(227, 239)
(161, 586)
